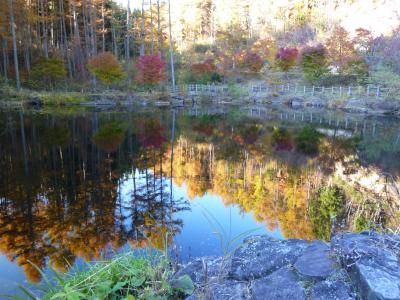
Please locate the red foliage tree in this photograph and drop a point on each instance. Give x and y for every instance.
(151, 69)
(206, 67)
(253, 61)
(286, 58)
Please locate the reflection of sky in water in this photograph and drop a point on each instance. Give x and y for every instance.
(197, 237)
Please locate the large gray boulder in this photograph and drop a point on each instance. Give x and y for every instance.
(332, 290)
(228, 290)
(280, 285)
(372, 261)
(316, 262)
(296, 102)
(262, 255)
(202, 270)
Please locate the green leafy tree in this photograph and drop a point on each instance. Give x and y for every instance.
(357, 68)
(314, 62)
(49, 71)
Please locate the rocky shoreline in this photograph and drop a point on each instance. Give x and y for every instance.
(352, 266)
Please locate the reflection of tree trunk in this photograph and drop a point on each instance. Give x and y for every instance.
(172, 152)
(146, 174)
(154, 170)
(161, 176)
(23, 140)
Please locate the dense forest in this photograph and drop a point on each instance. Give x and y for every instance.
(47, 44)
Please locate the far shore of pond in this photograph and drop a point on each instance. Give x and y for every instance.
(112, 99)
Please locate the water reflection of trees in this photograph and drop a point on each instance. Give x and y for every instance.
(73, 186)
(61, 183)
(260, 167)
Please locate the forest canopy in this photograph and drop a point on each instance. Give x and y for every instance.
(359, 39)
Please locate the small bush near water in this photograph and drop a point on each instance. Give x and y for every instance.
(126, 276)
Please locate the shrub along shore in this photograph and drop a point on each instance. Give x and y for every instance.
(352, 266)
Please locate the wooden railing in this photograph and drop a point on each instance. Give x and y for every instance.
(368, 91)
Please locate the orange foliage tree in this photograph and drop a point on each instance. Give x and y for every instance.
(251, 61)
(205, 67)
(106, 68)
(340, 47)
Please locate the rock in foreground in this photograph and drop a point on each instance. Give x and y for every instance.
(352, 266)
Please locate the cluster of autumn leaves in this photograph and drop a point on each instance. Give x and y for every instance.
(150, 69)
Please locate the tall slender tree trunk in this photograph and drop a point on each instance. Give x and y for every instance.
(103, 31)
(142, 35)
(14, 41)
(44, 30)
(171, 49)
(114, 34)
(77, 39)
(93, 31)
(128, 32)
(64, 38)
(88, 51)
(5, 60)
(159, 28)
(151, 28)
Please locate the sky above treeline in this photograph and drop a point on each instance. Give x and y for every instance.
(378, 16)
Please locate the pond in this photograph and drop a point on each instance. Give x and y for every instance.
(78, 185)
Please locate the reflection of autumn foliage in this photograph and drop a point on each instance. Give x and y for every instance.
(72, 206)
(248, 135)
(265, 189)
(110, 136)
(206, 129)
(282, 139)
(152, 134)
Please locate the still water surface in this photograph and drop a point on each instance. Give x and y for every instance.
(76, 186)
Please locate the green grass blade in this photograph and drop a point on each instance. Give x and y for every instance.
(27, 292)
